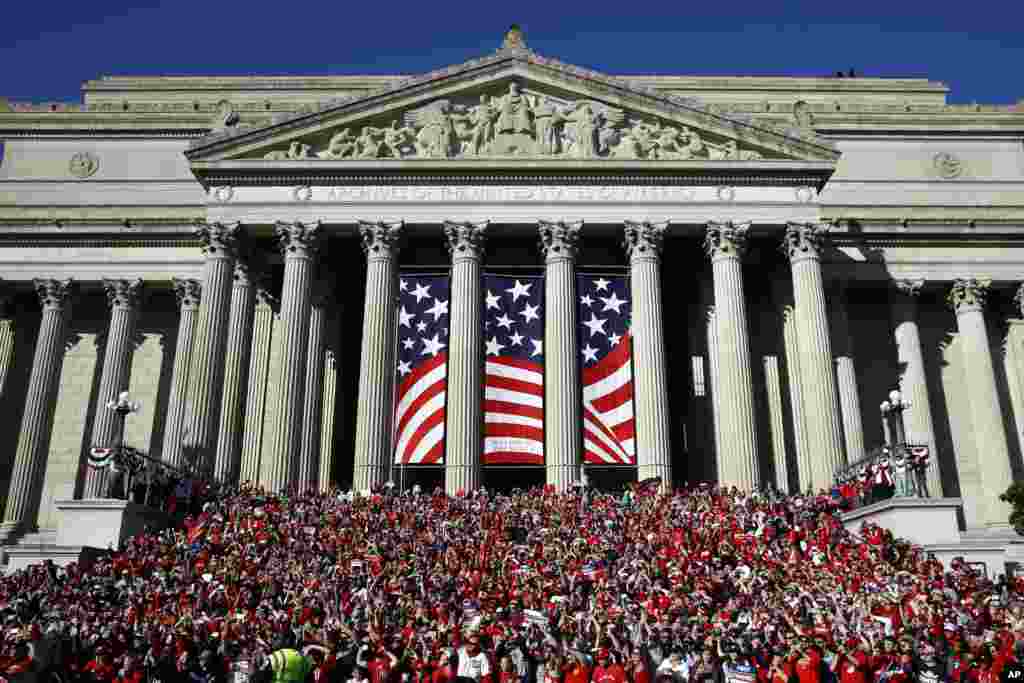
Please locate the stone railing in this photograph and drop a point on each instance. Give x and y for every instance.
(885, 472)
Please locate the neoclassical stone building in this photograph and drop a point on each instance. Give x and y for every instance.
(228, 249)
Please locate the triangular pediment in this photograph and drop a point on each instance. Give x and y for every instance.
(514, 106)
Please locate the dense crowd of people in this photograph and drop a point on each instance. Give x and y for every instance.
(889, 472)
(701, 585)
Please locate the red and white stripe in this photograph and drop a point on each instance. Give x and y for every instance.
(608, 423)
(420, 413)
(513, 412)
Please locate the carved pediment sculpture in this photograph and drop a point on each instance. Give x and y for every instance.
(517, 123)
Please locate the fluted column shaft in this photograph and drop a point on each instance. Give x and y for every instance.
(258, 384)
(312, 413)
(327, 436)
(299, 243)
(917, 419)
(236, 375)
(563, 442)
(464, 418)
(108, 425)
(737, 454)
(6, 341)
(187, 293)
(206, 376)
(40, 401)
(776, 421)
(967, 297)
(381, 242)
(824, 430)
(653, 439)
(846, 377)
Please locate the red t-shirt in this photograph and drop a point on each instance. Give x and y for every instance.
(379, 669)
(853, 668)
(808, 667)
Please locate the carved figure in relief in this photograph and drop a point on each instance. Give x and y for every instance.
(481, 119)
(436, 138)
(296, 150)
(516, 114)
(548, 120)
(341, 146)
(369, 144)
(593, 129)
(398, 141)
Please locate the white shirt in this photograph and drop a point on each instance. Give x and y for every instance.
(473, 666)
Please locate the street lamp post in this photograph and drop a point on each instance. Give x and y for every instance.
(895, 406)
(123, 405)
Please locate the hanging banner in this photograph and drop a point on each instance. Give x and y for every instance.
(422, 370)
(513, 333)
(606, 369)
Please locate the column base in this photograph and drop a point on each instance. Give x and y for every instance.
(562, 477)
(461, 478)
(12, 532)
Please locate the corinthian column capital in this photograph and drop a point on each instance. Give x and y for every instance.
(466, 240)
(644, 240)
(726, 240)
(381, 240)
(968, 295)
(911, 288)
(559, 240)
(187, 292)
(298, 240)
(123, 294)
(219, 240)
(804, 240)
(54, 294)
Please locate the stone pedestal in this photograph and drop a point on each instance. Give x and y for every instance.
(653, 439)
(373, 450)
(803, 243)
(737, 451)
(563, 447)
(925, 521)
(464, 418)
(37, 423)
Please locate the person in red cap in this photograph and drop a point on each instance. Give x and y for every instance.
(607, 671)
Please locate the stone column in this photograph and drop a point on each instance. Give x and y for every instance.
(6, 340)
(40, 401)
(299, 243)
(464, 416)
(791, 349)
(236, 374)
(803, 243)
(108, 426)
(967, 297)
(375, 414)
(187, 293)
(846, 377)
(206, 376)
(258, 385)
(777, 421)
(563, 447)
(643, 245)
(327, 435)
(313, 408)
(737, 454)
(917, 419)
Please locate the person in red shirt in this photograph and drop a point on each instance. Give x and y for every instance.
(381, 664)
(100, 668)
(606, 671)
(576, 670)
(807, 662)
(852, 662)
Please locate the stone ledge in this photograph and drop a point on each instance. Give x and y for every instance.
(925, 521)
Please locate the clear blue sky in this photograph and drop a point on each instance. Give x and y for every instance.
(977, 47)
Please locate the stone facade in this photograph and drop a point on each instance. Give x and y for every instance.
(772, 226)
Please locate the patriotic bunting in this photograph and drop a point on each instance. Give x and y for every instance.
(514, 370)
(606, 369)
(422, 371)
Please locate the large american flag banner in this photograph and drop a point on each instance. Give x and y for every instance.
(606, 369)
(514, 370)
(422, 371)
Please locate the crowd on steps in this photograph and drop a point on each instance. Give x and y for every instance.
(700, 584)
